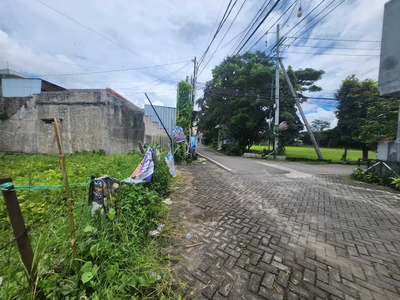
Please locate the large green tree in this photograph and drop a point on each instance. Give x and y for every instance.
(364, 116)
(380, 123)
(241, 96)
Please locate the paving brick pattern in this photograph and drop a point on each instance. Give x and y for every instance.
(274, 237)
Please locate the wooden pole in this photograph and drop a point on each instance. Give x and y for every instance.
(18, 225)
(56, 124)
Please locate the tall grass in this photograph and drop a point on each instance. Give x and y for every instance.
(117, 259)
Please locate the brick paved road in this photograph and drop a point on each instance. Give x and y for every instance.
(279, 237)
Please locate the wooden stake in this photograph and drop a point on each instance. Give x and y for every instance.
(18, 226)
(56, 124)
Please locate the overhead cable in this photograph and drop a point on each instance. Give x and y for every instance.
(258, 26)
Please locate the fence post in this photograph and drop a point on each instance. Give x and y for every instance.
(66, 185)
(18, 225)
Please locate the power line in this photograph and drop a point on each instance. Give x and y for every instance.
(287, 20)
(298, 23)
(221, 24)
(216, 21)
(55, 61)
(164, 78)
(212, 55)
(332, 47)
(258, 26)
(334, 54)
(312, 26)
(274, 24)
(335, 40)
(94, 31)
(305, 17)
(250, 26)
(117, 70)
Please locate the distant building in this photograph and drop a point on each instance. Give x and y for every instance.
(155, 133)
(91, 119)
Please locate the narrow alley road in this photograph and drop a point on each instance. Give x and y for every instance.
(278, 230)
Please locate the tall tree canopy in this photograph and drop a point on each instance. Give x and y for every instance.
(363, 115)
(241, 96)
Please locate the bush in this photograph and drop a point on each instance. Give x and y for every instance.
(179, 153)
(161, 180)
(371, 177)
(232, 149)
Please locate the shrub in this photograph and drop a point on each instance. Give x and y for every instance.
(371, 177)
(232, 149)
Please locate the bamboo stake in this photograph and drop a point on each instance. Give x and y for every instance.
(56, 124)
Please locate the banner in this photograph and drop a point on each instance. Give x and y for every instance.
(193, 142)
(177, 132)
(169, 160)
(144, 172)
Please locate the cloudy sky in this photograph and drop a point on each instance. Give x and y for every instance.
(147, 46)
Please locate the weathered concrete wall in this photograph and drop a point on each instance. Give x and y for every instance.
(10, 106)
(90, 120)
(154, 135)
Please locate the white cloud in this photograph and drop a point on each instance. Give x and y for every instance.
(323, 115)
(158, 103)
(34, 38)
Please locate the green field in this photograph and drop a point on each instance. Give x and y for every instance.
(334, 154)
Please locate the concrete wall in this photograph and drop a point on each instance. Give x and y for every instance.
(10, 106)
(389, 73)
(90, 120)
(154, 135)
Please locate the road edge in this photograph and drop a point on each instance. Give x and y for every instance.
(215, 162)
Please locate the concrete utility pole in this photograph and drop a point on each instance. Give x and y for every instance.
(301, 111)
(194, 79)
(276, 145)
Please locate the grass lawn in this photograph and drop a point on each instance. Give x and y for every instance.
(334, 154)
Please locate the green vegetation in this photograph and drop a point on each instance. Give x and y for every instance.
(184, 108)
(334, 154)
(375, 178)
(117, 259)
(239, 97)
(363, 116)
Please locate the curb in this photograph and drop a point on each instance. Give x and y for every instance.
(215, 162)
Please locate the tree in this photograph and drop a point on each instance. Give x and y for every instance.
(240, 96)
(358, 103)
(184, 106)
(319, 125)
(380, 123)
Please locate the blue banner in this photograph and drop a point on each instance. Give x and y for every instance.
(144, 172)
(193, 142)
(169, 160)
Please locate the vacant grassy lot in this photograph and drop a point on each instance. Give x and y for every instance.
(334, 154)
(117, 258)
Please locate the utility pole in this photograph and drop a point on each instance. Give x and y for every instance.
(193, 99)
(317, 150)
(270, 115)
(194, 79)
(276, 145)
